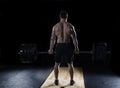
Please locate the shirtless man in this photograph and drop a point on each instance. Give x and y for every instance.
(61, 34)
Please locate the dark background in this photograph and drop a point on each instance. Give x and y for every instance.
(32, 22)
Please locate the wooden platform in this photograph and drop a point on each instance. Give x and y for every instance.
(64, 79)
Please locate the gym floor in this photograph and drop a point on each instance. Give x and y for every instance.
(31, 76)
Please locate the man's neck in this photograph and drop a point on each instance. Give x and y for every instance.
(63, 20)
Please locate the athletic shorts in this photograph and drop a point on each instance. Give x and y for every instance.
(63, 53)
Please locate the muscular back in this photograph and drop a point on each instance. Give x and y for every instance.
(63, 32)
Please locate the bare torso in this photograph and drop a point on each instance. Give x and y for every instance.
(63, 32)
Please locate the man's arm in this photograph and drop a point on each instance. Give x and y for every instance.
(52, 41)
(74, 39)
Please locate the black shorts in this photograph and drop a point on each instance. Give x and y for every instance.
(64, 53)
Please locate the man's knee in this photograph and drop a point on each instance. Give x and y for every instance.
(56, 65)
(70, 65)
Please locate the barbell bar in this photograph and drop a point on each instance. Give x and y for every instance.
(87, 52)
(81, 52)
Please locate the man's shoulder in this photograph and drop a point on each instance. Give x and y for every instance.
(56, 25)
(70, 24)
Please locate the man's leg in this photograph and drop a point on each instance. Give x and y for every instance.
(56, 71)
(71, 71)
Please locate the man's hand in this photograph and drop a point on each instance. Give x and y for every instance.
(50, 51)
(76, 51)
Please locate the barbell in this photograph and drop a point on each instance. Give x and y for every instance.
(29, 52)
(81, 52)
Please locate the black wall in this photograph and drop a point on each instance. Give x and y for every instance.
(31, 22)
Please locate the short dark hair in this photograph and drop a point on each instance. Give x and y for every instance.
(63, 14)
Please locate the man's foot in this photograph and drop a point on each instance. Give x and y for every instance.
(56, 82)
(72, 82)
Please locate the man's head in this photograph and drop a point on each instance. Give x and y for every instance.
(64, 14)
